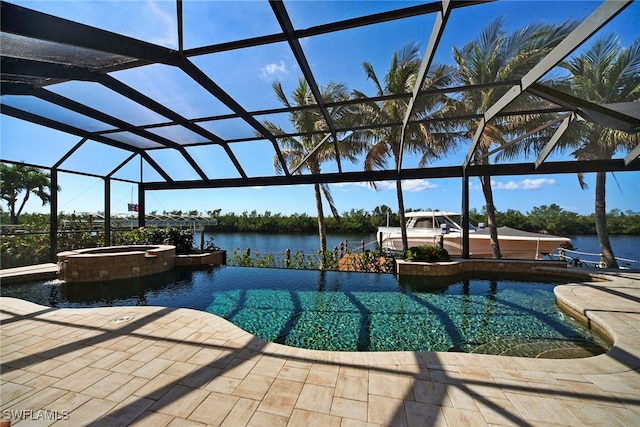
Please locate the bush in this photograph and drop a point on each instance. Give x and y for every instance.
(374, 262)
(181, 239)
(427, 253)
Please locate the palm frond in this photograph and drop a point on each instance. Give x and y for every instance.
(327, 195)
(371, 75)
(377, 157)
(277, 88)
(581, 181)
(624, 73)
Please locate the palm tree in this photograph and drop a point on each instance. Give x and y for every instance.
(21, 181)
(494, 57)
(420, 138)
(302, 152)
(605, 73)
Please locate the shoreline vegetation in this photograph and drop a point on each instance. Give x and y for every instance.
(544, 219)
(551, 219)
(28, 242)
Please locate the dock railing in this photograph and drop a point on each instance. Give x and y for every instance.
(592, 260)
(251, 257)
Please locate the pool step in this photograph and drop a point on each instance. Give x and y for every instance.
(543, 349)
(48, 271)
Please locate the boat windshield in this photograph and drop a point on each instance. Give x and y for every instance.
(435, 221)
(453, 223)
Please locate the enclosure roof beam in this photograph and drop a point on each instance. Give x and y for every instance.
(398, 123)
(436, 33)
(37, 25)
(40, 69)
(513, 169)
(156, 166)
(68, 154)
(624, 116)
(62, 127)
(92, 175)
(347, 24)
(67, 103)
(554, 140)
(600, 17)
(378, 18)
(561, 167)
(180, 24)
(45, 70)
(311, 153)
(632, 155)
(525, 135)
(209, 85)
(328, 178)
(294, 108)
(134, 95)
(120, 166)
(294, 43)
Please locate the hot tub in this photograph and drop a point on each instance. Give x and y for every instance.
(115, 262)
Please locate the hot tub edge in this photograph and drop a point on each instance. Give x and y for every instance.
(115, 262)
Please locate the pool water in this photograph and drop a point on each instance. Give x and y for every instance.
(353, 311)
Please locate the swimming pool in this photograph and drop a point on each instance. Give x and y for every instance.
(352, 311)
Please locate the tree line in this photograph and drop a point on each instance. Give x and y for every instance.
(551, 219)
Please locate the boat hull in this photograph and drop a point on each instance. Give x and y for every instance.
(523, 246)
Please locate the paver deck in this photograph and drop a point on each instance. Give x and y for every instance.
(154, 366)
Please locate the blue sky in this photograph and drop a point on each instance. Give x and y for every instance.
(333, 57)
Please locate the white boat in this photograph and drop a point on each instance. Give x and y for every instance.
(433, 227)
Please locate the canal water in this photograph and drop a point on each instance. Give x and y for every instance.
(586, 246)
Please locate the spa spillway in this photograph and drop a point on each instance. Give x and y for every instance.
(115, 262)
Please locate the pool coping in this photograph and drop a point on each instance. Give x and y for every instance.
(28, 273)
(487, 389)
(456, 266)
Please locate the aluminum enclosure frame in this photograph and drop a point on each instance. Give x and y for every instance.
(29, 72)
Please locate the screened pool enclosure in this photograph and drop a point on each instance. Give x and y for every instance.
(168, 95)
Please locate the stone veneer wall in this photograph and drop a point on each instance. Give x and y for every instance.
(115, 262)
(207, 258)
(449, 268)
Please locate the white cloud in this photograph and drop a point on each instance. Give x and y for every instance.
(415, 185)
(411, 185)
(167, 32)
(525, 184)
(386, 185)
(274, 69)
(351, 184)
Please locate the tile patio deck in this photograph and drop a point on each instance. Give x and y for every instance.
(154, 366)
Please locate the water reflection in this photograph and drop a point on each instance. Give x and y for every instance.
(348, 311)
(150, 290)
